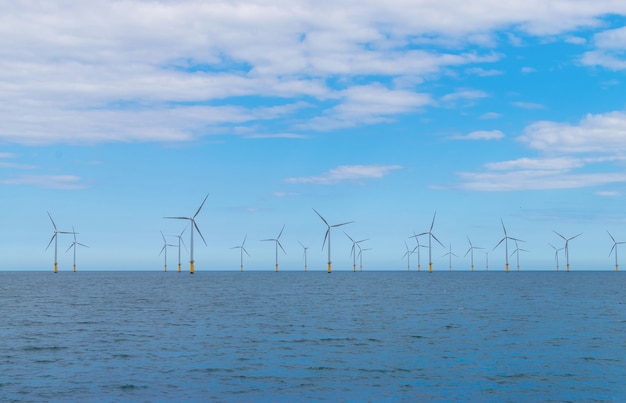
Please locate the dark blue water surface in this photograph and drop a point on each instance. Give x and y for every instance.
(294, 336)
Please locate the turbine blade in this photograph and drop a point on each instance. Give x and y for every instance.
(575, 236)
(281, 232)
(67, 250)
(179, 218)
(200, 208)
(78, 243)
(53, 224)
(244, 240)
(432, 224)
(607, 231)
(433, 235)
(163, 236)
(281, 246)
(325, 237)
(503, 227)
(320, 216)
(198, 229)
(559, 235)
(349, 237)
(51, 239)
(343, 223)
(502, 240)
(244, 249)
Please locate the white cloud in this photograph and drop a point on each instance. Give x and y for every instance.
(602, 133)
(347, 173)
(528, 105)
(479, 71)
(608, 193)
(489, 116)
(64, 182)
(464, 94)
(528, 70)
(481, 135)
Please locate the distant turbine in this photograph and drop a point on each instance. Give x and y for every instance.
(277, 240)
(430, 236)
(164, 249)
(353, 250)
(55, 239)
(193, 225)
(73, 245)
(242, 249)
(471, 251)
(614, 247)
(408, 254)
(180, 241)
(305, 249)
(450, 254)
(556, 254)
(506, 245)
(418, 249)
(361, 255)
(517, 251)
(327, 236)
(486, 260)
(567, 247)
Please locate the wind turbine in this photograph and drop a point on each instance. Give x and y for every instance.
(506, 245)
(556, 254)
(450, 254)
(73, 245)
(55, 239)
(242, 249)
(567, 247)
(327, 236)
(418, 249)
(353, 251)
(486, 260)
(305, 249)
(277, 240)
(361, 255)
(471, 251)
(430, 236)
(614, 247)
(408, 254)
(180, 241)
(517, 251)
(193, 225)
(164, 249)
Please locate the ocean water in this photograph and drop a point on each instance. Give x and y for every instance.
(296, 336)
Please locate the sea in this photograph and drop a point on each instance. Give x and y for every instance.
(385, 336)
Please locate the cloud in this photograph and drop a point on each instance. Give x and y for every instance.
(481, 135)
(600, 133)
(464, 94)
(345, 173)
(528, 105)
(528, 70)
(63, 182)
(489, 115)
(479, 71)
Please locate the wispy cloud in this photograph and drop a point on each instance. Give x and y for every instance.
(63, 182)
(481, 135)
(489, 116)
(345, 173)
(528, 105)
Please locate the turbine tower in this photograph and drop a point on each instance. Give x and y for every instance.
(471, 251)
(556, 255)
(430, 236)
(517, 251)
(486, 260)
(277, 240)
(327, 236)
(361, 255)
(506, 245)
(450, 254)
(73, 245)
(305, 249)
(164, 249)
(408, 254)
(615, 243)
(242, 249)
(418, 249)
(353, 250)
(567, 247)
(55, 239)
(193, 225)
(180, 241)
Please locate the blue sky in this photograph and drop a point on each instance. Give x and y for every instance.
(116, 114)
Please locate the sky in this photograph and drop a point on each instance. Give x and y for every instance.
(115, 114)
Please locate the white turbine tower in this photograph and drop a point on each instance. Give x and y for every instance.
(73, 245)
(164, 249)
(327, 236)
(305, 248)
(506, 245)
(277, 241)
(361, 256)
(353, 250)
(471, 251)
(180, 242)
(556, 255)
(517, 251)
(193, 225)
(486, 260)
(55, 239)
(242, 249)
(418, 249)
(430, 236)
(615, 243)
(450, 254)
(567, 247)
(408, 254)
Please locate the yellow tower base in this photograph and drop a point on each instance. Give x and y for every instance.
(330, 269)
(277, 268)
(472, 267)
(165, 268)
(240, 268)
(179, 267)
(354, 268)
(430, 267)
(507, 268)
(56, 268)
(567, 268)
(191, 268)
(616, 268)
(74, 268)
